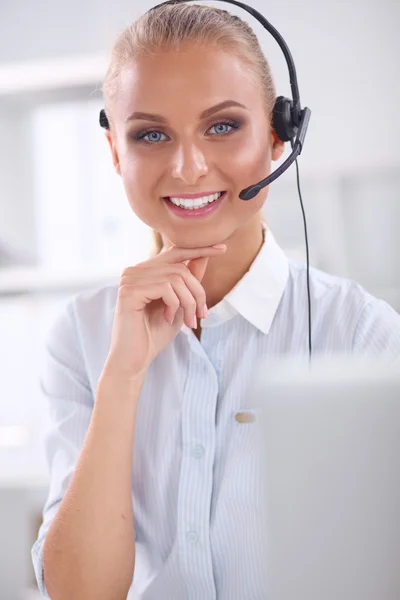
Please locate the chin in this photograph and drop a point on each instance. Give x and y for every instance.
(196, 238)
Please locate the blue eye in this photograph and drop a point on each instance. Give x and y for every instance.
(220, 127)
(151, 135)
(155, 137)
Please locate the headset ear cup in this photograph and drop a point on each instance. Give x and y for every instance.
(103, 119)
(282, 119)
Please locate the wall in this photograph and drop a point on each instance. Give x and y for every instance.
(345, 53)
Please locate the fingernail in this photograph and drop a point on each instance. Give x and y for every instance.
(194, 322)
(205, 312)
(219, 246)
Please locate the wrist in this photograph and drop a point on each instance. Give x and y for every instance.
(117, 386)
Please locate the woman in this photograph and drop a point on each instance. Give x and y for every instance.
(150, 470)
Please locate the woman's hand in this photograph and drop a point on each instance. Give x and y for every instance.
(154, 298)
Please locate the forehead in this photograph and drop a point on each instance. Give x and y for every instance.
(189, 80)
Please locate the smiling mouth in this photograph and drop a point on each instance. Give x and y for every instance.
(194, 203)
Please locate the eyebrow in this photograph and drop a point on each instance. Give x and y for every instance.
(206, 113)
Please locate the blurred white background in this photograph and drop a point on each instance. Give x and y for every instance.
(65, 224)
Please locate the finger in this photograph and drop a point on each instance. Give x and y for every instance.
(198, 266)
(171, 301)
(186, 300)
(147, 277)
(195, 288)
(137, 296)
(176, 254)
(171, 317)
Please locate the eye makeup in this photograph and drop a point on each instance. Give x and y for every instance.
(233, 124)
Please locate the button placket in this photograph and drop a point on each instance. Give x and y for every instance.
(198, 451)
(196, 468)
(192, 537)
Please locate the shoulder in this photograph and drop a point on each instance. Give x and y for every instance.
(92, 305)
(325, 286)
(378, 330)
(329, 293)
(81, 332)
(87, 310)
(345, 309)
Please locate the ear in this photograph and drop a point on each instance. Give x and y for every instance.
(114, 151)
(278, 146)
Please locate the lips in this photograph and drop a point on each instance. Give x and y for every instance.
(193, 196)
(192, 203)
(190, 213)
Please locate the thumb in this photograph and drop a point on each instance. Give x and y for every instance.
(197, 266)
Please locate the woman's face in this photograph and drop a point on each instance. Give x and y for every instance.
(205, 130)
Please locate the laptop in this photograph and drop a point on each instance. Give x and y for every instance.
(330, 441)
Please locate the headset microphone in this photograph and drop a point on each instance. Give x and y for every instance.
(252, 190)
(290, 123)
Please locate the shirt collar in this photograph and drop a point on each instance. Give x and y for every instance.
(258, 293)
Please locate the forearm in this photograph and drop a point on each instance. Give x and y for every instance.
(89, 551)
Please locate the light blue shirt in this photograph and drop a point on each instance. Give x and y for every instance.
(195, 489)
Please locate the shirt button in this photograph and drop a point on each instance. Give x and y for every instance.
(198, 451)
(192, 537)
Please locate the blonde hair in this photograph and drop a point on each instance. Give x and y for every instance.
(176, 25)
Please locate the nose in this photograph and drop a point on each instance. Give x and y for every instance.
(189, 164)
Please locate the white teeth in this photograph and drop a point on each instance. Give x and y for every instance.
(197, 202)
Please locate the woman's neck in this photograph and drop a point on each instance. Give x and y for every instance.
(224, 272)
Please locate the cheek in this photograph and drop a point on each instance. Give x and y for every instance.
(135, 169)
(139, 176)
(252, 159)
(247, 162)
(250, 163)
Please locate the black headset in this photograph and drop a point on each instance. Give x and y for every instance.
(289, 121)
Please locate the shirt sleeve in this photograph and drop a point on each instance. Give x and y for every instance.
(378, 331)
(65, 386)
